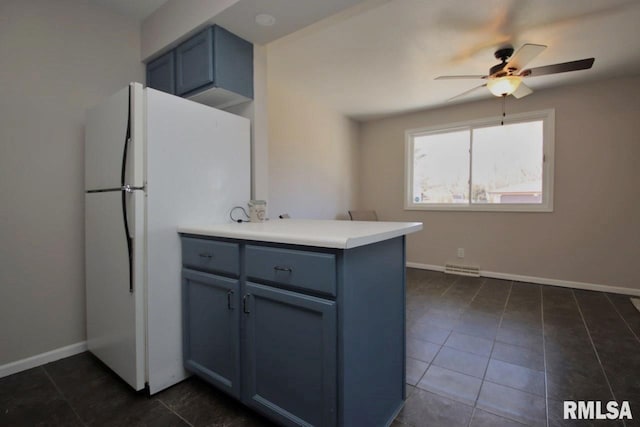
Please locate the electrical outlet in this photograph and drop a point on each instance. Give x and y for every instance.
(460, 252)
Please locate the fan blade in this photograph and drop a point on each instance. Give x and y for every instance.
(467, 92)
(522, 91)
(524, 55)
(460, 77)
(581, 64)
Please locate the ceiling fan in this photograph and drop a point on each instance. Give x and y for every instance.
(506, 78)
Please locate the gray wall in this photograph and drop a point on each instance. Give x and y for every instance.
(58, 58)
(593, 234)
(313, 156)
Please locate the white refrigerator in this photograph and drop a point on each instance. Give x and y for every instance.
(152, 161)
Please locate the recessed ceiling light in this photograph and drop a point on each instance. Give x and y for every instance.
(265, 20)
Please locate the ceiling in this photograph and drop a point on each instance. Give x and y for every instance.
(136, 9)
(290, 16)
(372, 58)
(384, 60)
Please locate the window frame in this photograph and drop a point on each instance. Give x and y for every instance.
(548, 148)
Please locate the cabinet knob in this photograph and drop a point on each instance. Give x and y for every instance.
(205, 255)
(245, 307)
(281, 268)
(229, 295)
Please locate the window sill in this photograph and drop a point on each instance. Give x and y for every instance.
(482, 208)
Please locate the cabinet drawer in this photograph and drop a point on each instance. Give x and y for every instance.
(211, 255)
(312, 271)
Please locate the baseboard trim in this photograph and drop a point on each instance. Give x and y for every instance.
(539, 280)
(432, 267)
(42, 358)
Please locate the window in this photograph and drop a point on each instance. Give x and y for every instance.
(482, 165)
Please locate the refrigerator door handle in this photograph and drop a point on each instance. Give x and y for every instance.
(124, 193)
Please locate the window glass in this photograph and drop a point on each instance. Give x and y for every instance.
(482, 165)
(507, 163)
(441, 168)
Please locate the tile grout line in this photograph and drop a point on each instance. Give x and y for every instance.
(449, 287)
(473, 408)
(519, 421)
(63, 396)
(621, 316)
(431, 363)
(484, 380)
(514, 389)
(174, 412)
(593, 345)
(493, 344)
(441, 345)
(544, 357)
(434, 356)
(484, 280)
(504, 308)
(473, 413)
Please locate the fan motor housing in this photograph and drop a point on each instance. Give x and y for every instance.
(501, 54)
(504, 53)
(497, 70)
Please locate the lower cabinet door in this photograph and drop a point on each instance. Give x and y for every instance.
(290, 356)
(211, 329)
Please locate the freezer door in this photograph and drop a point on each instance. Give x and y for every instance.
(107, 128)
(115, 307)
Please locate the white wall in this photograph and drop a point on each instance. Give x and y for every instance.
(175, 20)
(593, 234)
(59, 58)
(256, 111)
(313, 156)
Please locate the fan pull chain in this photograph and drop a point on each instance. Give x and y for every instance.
(504, 101)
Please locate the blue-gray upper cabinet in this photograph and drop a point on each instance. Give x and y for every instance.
(214, 58)
(211, 328)
(161, 73)
(290, 356)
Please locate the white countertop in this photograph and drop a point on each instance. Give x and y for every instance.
(308, 232)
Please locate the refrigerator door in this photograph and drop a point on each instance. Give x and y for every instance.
(198, 168)
(115, 316)
(114, 237)
(105, 136)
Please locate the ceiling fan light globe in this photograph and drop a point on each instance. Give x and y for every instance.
(503, 86)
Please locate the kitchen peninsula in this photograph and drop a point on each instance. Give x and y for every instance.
(302, 320)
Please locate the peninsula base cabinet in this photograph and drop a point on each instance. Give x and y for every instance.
(308, 336)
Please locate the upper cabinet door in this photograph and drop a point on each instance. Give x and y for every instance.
(161, 73)
(233, 62)
(194, 63)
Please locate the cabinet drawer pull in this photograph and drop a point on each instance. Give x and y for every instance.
(281, 268)
(245, 308)
(205, 255)
(229, 294)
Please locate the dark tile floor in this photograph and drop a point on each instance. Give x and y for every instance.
(487, 352)
(480, 352)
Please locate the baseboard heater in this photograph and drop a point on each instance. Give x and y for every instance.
(463, 270)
